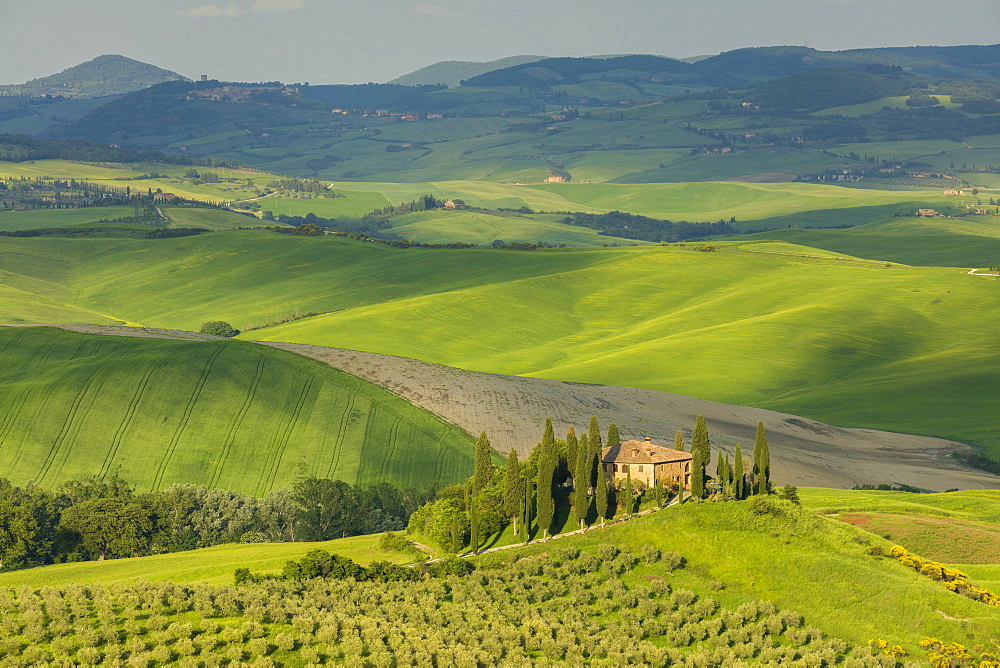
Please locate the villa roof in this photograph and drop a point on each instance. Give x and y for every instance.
(642, 452)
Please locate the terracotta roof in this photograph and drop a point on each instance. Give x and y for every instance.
(642, 452)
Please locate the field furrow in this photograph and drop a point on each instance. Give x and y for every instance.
(184, 418)
(238, 419)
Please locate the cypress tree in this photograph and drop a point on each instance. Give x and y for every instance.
(701, 449)
(601, 493)
(581, 478)
(613, 437)
(513, 495)
(679, 441)
(594, 433)
(572, 452)
(474, 526)
(739, 476)
(526, 511)
(761, 462)
(483, 473)
(547, 461)
(456, 533)
(595, 447)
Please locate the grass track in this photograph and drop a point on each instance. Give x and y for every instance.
(158, 412)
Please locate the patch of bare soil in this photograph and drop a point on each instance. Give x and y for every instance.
(512, 410)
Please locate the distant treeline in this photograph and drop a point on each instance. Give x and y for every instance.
(632, 226)
(18, 148)
(313, 229)
(101, 519)
(374, 96)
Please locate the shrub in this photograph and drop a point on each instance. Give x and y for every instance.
(758, 505)
(219, 328)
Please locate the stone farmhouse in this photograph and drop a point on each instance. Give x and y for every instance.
(648, 463)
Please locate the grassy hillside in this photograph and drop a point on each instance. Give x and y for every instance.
(218, 413)
(848, 342)
(102, 76)
(45, 218)
(817, 567)
(210, 564)
(899, 348)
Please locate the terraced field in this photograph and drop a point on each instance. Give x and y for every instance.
(219, 413)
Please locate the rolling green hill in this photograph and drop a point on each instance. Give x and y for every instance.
(218, 413)
(210, 564)
(849, 342)
(453, 72)
(820, 570)
(102, 76)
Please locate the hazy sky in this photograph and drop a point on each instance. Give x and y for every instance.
(347, 41)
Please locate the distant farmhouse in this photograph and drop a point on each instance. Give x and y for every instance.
(930, 213)
(647, 463)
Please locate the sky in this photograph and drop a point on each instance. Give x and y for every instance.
(356, 41)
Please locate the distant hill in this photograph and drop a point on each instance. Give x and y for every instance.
(550, 71)
(972, 61)
(217, 413)
(182, 107)
(104, 75)
(819, 89)
(452, 72)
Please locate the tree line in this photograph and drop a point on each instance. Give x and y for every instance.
(94, 519)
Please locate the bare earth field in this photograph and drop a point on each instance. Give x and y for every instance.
(512, 411)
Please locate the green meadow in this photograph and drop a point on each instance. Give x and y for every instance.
(867, 108)
(221, 413)
(47, 218)
(480, 228)
(209, 219)
(850, 342)
(816, 566)
(233, 182)
(209, 564)
(970, 241)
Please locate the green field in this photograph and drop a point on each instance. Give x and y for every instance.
(217, 413)
(233, 182)
(972, 241)
(866, 108)
(209, 219)
(482, 228)
(905, 150)
(47, 218)
(816, 566)
(742, 163)
(674, 201)
(854, 343)
(209, 564)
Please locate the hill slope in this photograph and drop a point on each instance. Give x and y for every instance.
(104, 75)
(452, 72)
(849, 342)
(218, 413)
(513, 409)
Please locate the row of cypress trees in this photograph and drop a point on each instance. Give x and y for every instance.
(738, 479)
(528, 490)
